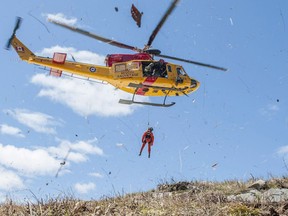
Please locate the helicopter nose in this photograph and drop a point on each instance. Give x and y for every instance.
(193, 83)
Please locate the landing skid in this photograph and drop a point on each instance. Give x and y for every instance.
(129, 102)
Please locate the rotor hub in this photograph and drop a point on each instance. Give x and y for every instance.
(153, 51)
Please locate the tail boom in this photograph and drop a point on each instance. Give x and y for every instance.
(82, 69)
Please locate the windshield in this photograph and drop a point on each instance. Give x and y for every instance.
(180, 71)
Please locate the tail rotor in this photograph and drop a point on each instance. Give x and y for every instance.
(17, 26)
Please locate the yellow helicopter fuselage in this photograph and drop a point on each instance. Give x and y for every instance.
(128, 76)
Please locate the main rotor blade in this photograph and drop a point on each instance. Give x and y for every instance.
(193, 62)
(160, 24)
(97, 37)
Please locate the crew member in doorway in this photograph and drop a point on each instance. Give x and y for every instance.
(156, 69)
(147, 137)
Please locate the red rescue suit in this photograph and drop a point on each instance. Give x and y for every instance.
(147, 137)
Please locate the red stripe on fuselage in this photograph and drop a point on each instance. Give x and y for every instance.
(148, 81)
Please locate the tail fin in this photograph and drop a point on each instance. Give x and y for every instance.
(23, 52)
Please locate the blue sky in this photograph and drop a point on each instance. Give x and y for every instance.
(237, 120)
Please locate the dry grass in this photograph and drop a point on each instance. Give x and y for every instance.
(176, 198)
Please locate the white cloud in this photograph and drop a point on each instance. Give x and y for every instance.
(16, 162)
(80, 56)
(9, 130)
(84, 188)
(86, 148)
(119, 144)
(84, 98)
(46, 161)
(9, 180)
(283, 150)
(269, 110)
(97, 175)
(39, 122)
(61, 18)
(27, 161)
(75, 152)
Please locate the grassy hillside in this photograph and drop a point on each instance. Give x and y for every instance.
(173, 198)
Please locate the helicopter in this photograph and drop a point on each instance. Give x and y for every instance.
(138, 74)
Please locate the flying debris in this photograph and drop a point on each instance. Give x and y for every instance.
(73, 58)
(63, 163)
(39, 22)
(136, 15)
(231, 21)
(116, 9)
(120, 145)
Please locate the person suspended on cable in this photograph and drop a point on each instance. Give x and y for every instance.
(147, 137)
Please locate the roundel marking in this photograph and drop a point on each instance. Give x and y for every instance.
(92, 69)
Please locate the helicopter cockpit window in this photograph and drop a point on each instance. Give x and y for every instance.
(180, 71)
(169, 68)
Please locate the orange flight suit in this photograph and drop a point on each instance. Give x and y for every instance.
(147, 137)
